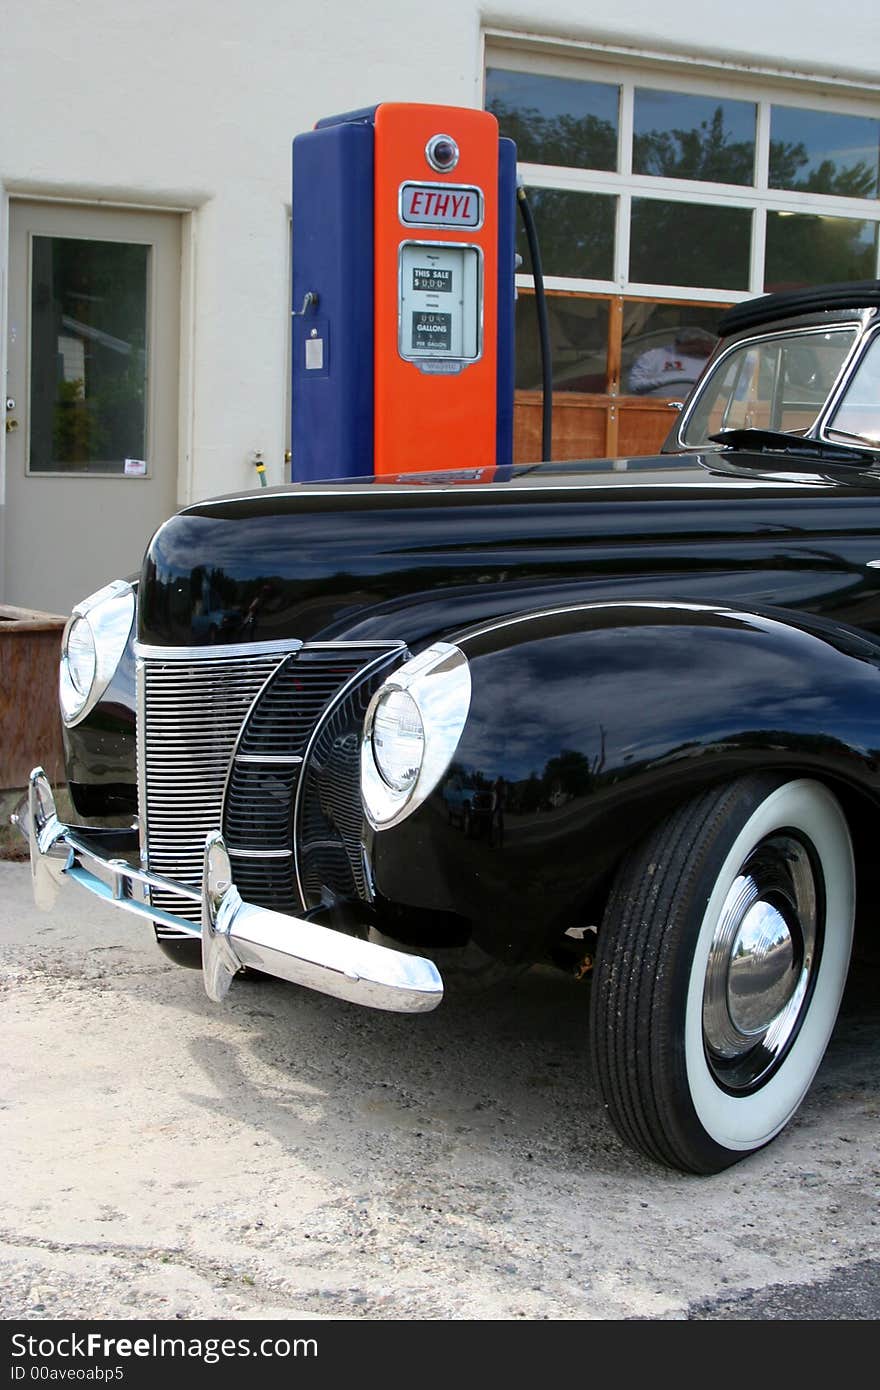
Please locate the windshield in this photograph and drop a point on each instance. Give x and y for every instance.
(858, 414)
(775, 383)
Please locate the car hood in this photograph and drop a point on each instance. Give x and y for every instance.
(363, 560)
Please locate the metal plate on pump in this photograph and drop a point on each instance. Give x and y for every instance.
(440, 205)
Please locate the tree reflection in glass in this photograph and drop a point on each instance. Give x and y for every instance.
(556, 120)
(675, 243)
(679, 136)
(806, 249)
(824, 152)
(575, 233)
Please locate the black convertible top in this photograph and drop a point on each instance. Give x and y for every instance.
(853, 294)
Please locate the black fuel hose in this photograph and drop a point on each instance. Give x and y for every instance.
(543, 325)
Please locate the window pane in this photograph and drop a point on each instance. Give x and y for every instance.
(823, 153)
(859, 411)
(665, 347)
(556, 120)
(689, 244)
(578, 343)
(806, 249)
(575, 233)
(779, 384)
(88, 355)
(693, 137)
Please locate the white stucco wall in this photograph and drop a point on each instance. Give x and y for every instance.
(194, 105)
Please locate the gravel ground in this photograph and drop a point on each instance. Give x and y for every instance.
(289, 1155)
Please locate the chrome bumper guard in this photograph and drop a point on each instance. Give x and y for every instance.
(234, 934)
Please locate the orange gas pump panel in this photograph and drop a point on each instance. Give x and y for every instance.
(435, 288)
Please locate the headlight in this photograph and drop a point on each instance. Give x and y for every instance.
(398, 739)
(411, 732)
(79, 652)
(92, 646)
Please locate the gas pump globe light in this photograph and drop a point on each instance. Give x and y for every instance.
(442, 153)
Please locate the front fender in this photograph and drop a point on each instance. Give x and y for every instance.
(589, 723)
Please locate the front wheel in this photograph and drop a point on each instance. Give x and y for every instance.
(721, 963)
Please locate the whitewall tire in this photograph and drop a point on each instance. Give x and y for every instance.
(721, 963)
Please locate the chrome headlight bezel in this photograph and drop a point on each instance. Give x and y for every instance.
(438, 682)
(108, 614)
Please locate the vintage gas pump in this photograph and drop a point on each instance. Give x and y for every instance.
(403, 293)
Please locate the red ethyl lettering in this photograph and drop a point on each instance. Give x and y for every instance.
(415, 202)
(441, 204)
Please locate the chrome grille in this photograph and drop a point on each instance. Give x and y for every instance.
(296, 726)
(192, 713)
(283, 721)
(330, 827)
(222, 743)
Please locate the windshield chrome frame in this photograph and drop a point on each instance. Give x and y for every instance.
(855, 325)
(869, 335)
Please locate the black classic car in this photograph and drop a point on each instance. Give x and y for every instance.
(659, 678)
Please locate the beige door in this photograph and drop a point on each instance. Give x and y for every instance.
(91, 397)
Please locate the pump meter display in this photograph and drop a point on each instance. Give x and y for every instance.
(440, 304)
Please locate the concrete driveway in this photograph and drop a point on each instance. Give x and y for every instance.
(288, 1155)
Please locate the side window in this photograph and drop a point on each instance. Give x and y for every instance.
(778, 384)
(858, 414)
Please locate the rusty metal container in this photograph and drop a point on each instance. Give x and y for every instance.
(30, 723)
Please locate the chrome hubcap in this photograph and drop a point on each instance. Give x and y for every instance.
(762, 970)
(761, 963)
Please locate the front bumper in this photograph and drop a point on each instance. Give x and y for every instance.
(234, 934)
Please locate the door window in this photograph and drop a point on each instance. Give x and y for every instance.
(88, 356)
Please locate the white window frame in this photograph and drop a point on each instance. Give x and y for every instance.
(628, 71)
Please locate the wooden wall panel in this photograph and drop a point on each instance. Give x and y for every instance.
(642, 427)
(579, 427)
